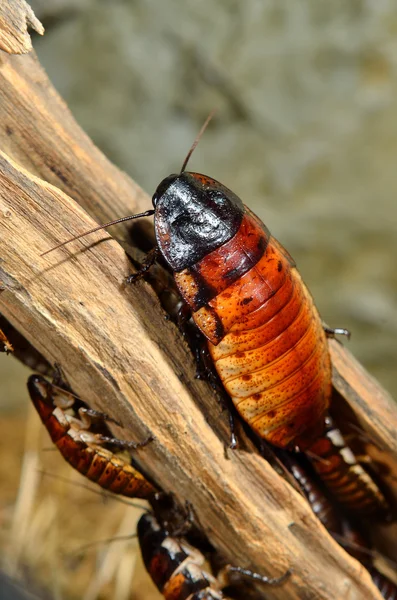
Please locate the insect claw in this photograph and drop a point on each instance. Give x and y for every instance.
(233, 442)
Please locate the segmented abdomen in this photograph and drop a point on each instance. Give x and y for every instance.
(349, 483)
(387, 588)
(265, 336)
(80, 449)
(174, 566)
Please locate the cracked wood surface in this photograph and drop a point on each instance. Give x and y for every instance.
(120, 355)
(123, 357)
(15, 19)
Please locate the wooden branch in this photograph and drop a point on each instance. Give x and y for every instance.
(15, 19)
(122, 356)
(38, 131)
(371, 404)
(52, 146)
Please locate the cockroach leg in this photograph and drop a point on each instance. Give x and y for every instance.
(232, 425)
(123, 444)
(146, 265)
(332, 332)
(226, 572)
(97, 415)
(183, 315)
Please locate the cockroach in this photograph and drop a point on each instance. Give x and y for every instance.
(263, 331)
(83, 440)
(177, 568)
(340, 527)
(78, 433)
(387, 588)
(348, 481)
(245, 295)
(322, 507)
(5, 344)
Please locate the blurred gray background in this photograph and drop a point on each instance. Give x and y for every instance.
(305, 133)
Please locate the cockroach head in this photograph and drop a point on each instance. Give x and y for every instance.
(194, 214)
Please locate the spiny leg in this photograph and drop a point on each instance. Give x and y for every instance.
(255, 576)
(146, 265)
(332, 332)
(123, 444)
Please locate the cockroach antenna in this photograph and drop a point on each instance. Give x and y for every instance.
(198, 138)
(147, 213)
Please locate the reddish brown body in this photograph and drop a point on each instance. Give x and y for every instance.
(264, 333)
(81, 447)
(347, 480)
(354, 542)
(175, 567)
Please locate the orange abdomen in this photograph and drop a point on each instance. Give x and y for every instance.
(264, 334)
(82, 449)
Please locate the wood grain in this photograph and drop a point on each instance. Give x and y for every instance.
(15, 19)
(123, 357)
(120, 355)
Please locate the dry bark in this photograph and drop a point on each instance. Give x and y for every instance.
(122, 356)
(15, 19)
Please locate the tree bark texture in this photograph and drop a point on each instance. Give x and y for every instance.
(122, 356)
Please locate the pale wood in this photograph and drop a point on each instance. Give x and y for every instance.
(122, 356)
(15, 19)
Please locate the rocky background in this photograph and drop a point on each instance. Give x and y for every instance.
(305, 133)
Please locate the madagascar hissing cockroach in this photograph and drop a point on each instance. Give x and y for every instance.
(80, 435)
(262, 329)
(350, 537)
(320, 504)
(344, 476)
(83, 440)
(177, 568)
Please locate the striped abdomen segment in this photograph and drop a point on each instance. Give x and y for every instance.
(82, 448)
(322, 507)
(174, 566)
(265, 335)
(387, 588)
(346, 479)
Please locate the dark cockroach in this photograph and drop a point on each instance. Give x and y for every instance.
(82, 438)
(177, 568)
(322, 507)
(344, 476)
(387, 588)
(356, 543)
(340, 527)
